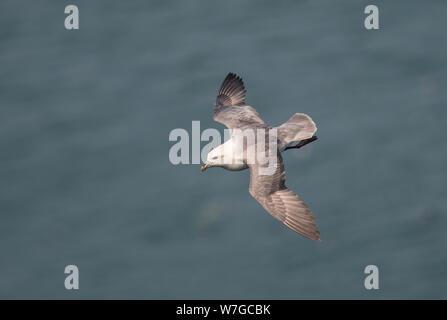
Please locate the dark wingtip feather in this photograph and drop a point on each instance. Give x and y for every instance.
(232, 91)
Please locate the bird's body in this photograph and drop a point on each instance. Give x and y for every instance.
(250, 137)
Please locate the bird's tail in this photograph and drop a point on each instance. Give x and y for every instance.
(299, 127)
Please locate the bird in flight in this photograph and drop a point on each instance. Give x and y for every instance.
(268, 186)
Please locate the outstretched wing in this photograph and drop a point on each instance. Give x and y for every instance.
(230, 108)
(231, 92)
(282, 203)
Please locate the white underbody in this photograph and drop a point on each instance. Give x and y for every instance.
(230, 155)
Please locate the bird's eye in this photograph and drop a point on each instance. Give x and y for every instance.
(214, 158)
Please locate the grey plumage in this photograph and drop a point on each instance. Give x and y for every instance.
(269, 190)
(299, 127)
(282, 203)
(231, 92)
(230, 108)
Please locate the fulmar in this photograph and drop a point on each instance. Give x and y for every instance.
(267, 187)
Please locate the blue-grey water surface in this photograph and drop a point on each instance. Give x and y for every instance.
(86, 179)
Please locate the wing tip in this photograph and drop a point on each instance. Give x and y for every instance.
(232, 91)
(233, 76)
